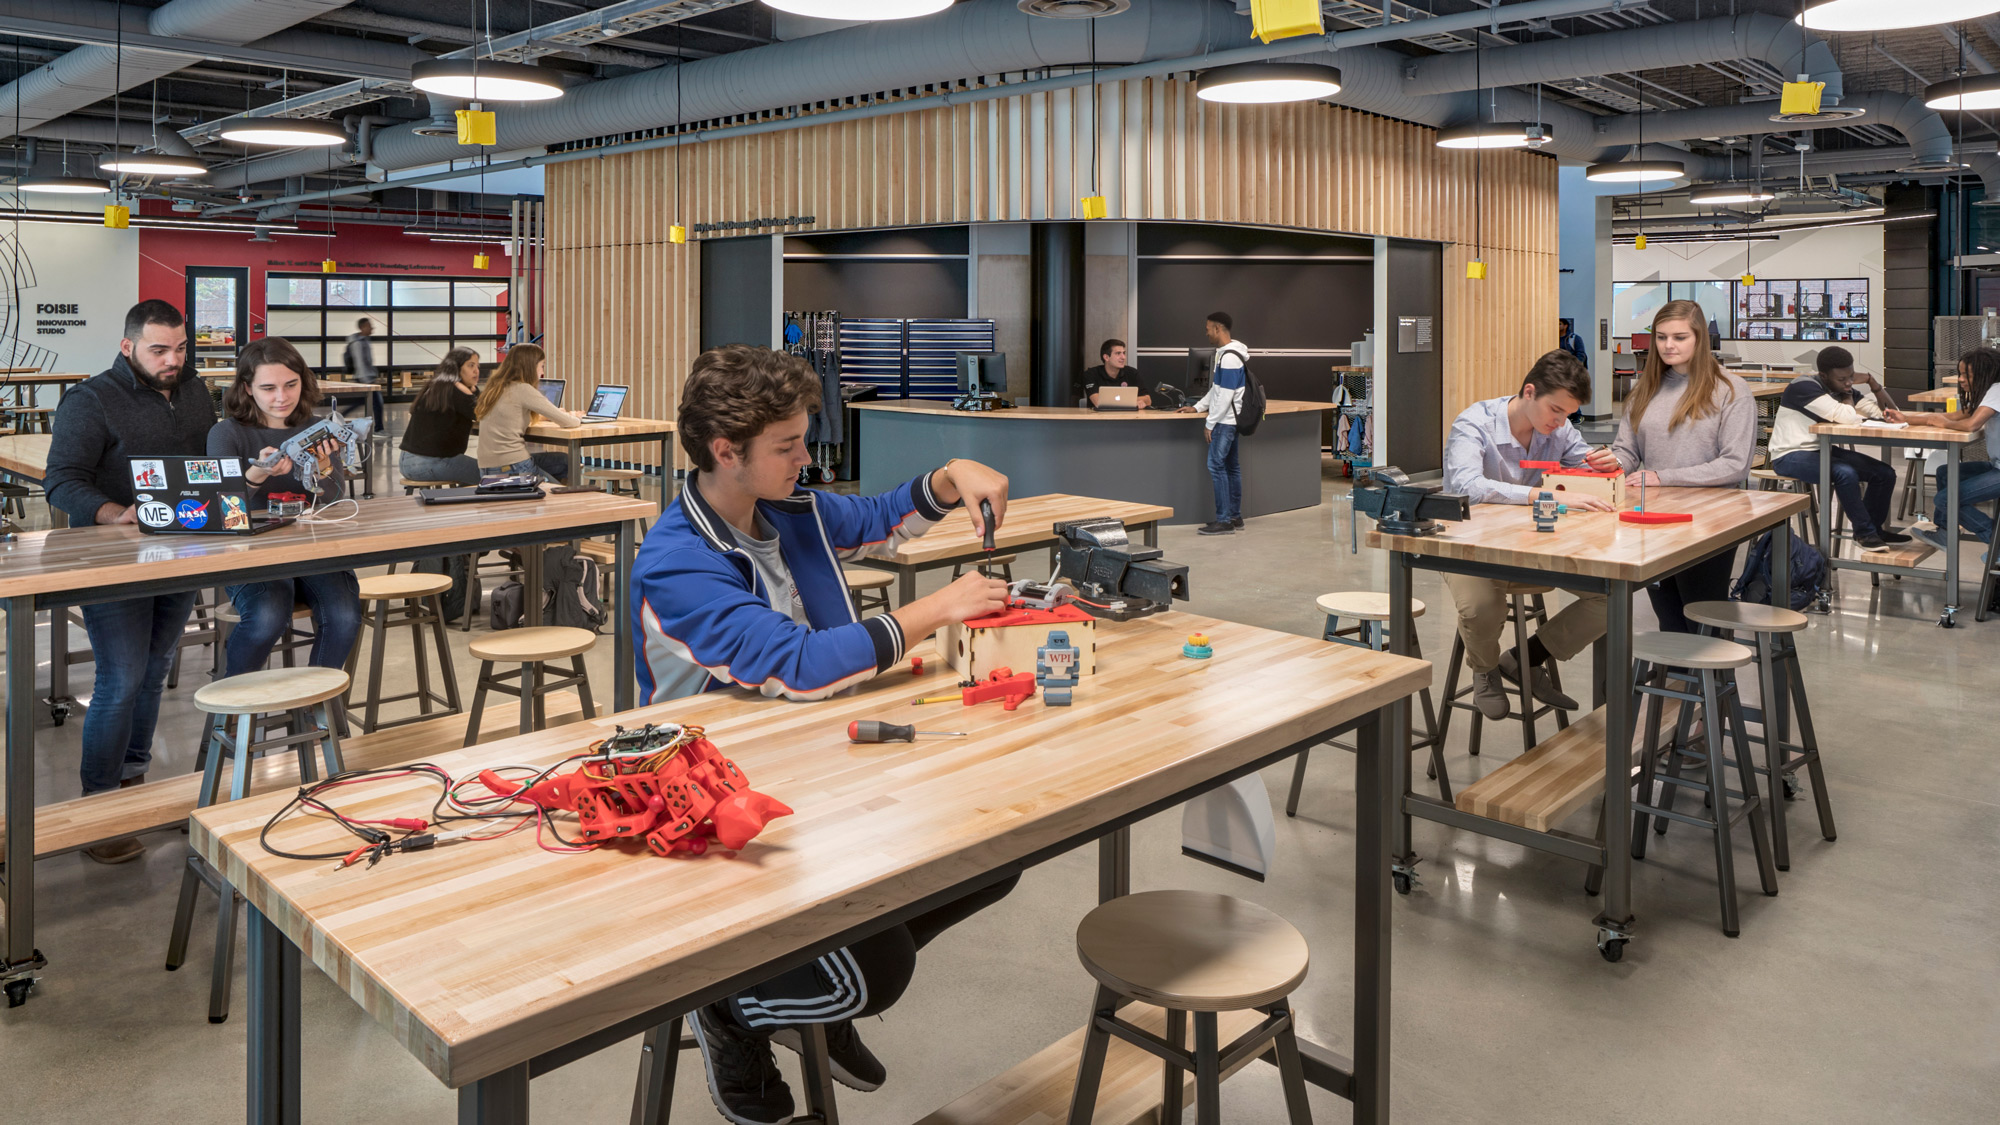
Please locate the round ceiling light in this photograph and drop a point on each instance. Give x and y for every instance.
(1496, 134)
(1265, 83)
(284, 132)
(1826, 114)
(1930, 167)
(486, 80)
(1073, 9)
(64, 185)
(1715, 194)
(1635, 171)
(859, 9)
(1974, 91)
(1890, 15)
(151, 164)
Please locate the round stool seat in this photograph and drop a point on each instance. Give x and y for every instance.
(1746, 616)
(227, 612)
(1685, 650)
(1192, 950)
(543, 642)
(382, 587)
(408, 483)
(1523, 589)
(864, 578)
(612, 474)
(274, 689)
(1769, 474)
(1362, 605)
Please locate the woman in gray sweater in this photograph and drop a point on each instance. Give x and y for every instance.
(1688, 423)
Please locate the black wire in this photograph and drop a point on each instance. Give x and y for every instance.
(1093, 107)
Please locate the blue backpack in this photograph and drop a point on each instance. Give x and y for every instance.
(1809, 572)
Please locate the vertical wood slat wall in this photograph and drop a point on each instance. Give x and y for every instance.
(623, 303)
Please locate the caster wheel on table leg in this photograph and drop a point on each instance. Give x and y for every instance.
(1613, 949)
(17, 991)
(1404, 883)
(1949, 619)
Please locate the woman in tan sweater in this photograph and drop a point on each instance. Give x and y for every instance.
(507, 407)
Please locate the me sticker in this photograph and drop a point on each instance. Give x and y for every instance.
(156, 515)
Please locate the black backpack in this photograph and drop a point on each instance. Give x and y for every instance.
(570, 582)
(1809, 572)
(1250, 412)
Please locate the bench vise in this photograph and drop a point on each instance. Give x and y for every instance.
(1114, 578)
(1402, 508)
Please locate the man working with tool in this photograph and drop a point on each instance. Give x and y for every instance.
(739, 585)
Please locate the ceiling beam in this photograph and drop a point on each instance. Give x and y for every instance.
(195, 49)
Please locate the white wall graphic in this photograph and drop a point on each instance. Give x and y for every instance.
(64, 292)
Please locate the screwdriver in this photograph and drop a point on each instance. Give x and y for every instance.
(986, 513)
(874, 730)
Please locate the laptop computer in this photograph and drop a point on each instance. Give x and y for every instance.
(552, 389)
(606, 404)
(1118, 398)
(197, 496)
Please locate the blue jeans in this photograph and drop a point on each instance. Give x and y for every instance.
(461, 469)
(548, 466)
(1978, 485)
(132, 642)
(266, 608)
(1227, 473)
(1865, 486)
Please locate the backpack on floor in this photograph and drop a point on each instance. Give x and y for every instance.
(507, 606)
(461, 583)
(1809, 572)
(569, 584)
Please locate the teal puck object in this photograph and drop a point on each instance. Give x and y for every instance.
(1197, 652)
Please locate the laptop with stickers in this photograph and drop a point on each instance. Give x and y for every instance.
(197, 496)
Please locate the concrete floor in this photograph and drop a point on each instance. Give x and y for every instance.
(1865, 992)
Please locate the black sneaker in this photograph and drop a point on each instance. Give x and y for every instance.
(1891, 535)
(1871, 543)
(1216, 528)
(854, 1065)
(743, 1078)
(1237, 523)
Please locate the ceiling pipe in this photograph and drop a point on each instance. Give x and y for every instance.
(140, 136)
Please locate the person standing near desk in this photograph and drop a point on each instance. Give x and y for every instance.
(360, 359)
(739, 585)
(1688, 423)
(1978, 481)
(1224, 398)
(1113, 372)
(1865, 485)
(146, 404)
(1482, 460)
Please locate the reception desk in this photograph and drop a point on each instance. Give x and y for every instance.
(1146, 456)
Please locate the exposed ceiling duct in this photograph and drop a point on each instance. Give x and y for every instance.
(120, 134)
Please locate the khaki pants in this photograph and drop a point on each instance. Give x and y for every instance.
(1482, 614)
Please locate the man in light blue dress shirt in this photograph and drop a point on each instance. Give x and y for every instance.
(1482, 459)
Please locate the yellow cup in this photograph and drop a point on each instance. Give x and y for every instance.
(1951, 405)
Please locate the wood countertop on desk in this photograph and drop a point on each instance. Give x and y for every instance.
(1067, 413)
(1916, 431)
(30, 375)
(482, 956)
(1030, 520)
(622, 428)
(80, 558)
(25, 454)
(1598, 544)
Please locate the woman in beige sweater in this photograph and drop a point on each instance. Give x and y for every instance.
(507, 407)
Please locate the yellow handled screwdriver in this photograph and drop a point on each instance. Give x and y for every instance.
(874, 730)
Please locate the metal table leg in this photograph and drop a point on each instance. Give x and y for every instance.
(272, 1045)
(1114, 865)
(621, 621)
(575, 448)
(1614, 924)
(1383, 742)
(499, 1099)
(21, 958)
(1950, 617)
(1825, 501)
(1402, 636)
(906, 584)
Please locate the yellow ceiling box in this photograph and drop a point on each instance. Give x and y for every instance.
(1748, 279)
(117, 217)
(677, 234)
(1094, 206)
(1475, 270)
(1639, 242)
(476, 127)
(1283, 19)
(1801, 97)
(481, 261)
(329, 266)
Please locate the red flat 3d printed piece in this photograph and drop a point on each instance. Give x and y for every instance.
(1656, 517)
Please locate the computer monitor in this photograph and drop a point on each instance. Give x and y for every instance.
(552, 389)
(980, 372)
(1200, 368)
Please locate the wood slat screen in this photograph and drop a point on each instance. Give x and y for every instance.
(623, 303)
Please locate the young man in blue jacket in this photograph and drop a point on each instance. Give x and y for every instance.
(739, 585)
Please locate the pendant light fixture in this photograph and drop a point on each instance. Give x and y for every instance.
(1715, 195)
(1268, 83)
(1494, 134)
(1890, 15)
(65, 185)
(1093, 205)
(859, 9)
(485, 80)
(1973, 91)
(284, 132)
(677, 232)
(1634, 171)
(154, 163)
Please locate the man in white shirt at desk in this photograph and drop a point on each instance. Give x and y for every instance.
(1482, 459)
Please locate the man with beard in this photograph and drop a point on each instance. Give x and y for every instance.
(147, 405)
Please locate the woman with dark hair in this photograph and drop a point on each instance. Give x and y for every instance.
(1978, 480)
(441, 422)
(270, 401)
(1687, 423)
(508, 406)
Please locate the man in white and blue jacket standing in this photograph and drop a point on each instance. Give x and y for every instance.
(739, 585)
(1222, 402)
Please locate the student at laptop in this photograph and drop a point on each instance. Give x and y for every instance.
(270, 401)
(1113, 372)
(441, 422)
(507, 407)
(1482, 460)
(141, 407)
(739, 588)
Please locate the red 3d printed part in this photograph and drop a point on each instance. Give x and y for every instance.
(1656, 517)
(670, 787)
(1003, 685)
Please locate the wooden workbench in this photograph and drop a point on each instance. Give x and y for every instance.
(494, 960)
(622, 432)
(1028, 525)
(1904, 559)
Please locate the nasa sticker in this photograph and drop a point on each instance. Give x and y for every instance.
(155, 514)
(193, 514)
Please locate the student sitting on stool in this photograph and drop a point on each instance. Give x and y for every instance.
(1482, 459)
(1865, 485)
(1978, 480)
(738, 586)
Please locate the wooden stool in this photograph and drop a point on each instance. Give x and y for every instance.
(1524, 604)
(1370, 613)
(868, 587)
(1775, 654)
(1709, 664)
(28, 418)
(305, 696)
(1191, 952)
(420, 606)
(1002, 563)
(14, 497)
(529, 648)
